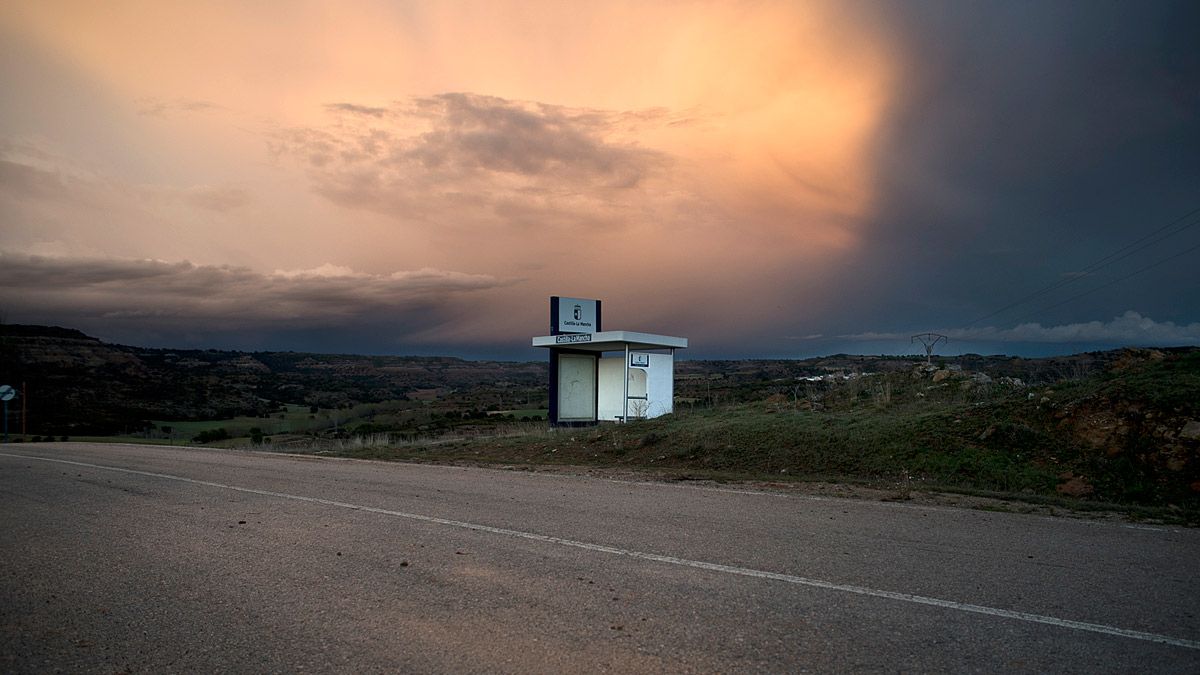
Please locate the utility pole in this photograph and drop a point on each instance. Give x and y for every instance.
(7, 394)
(929, 341)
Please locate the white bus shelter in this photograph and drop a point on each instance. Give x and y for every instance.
(610, 375)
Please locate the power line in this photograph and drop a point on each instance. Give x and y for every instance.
(1101, 287)
(1114, 281)
(1120, 254)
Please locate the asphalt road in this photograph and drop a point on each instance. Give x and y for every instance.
(147, 559)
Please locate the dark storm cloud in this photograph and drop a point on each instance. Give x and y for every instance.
(468, 158)
(1129, 328)
(115, 297)
(1028, 140)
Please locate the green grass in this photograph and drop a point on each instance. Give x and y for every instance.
(912, 445)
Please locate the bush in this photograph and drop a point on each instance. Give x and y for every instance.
(211, 435)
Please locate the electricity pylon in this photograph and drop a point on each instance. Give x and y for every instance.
(929, 341)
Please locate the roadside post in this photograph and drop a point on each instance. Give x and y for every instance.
(7, 393)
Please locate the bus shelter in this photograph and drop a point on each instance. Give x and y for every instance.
(606, 375)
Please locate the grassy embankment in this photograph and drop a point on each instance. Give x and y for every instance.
(1108, 441)
(1113, 440)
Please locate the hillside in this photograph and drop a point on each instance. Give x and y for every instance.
(1121, 426)
(77, 384)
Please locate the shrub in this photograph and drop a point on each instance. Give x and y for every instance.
(211, 435)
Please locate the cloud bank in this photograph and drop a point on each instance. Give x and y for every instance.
(184, 301)
(463, 160)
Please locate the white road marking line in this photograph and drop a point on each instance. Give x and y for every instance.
(671, 560)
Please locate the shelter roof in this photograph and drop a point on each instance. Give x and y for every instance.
(610, 341)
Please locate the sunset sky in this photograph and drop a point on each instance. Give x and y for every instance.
(768, 179)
